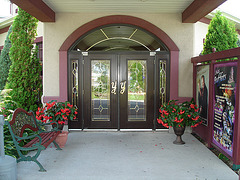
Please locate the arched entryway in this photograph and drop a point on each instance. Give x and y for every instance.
(116, 20)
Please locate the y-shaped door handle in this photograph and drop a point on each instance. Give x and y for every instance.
(114, 87)
(123, 87)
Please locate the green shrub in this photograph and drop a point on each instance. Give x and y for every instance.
(5, 61)
(24, 74)
(222, 34)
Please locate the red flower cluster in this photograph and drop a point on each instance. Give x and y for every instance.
(196, 124)
(178, 121)
(182, 114)
(161, 122)
(59, 112)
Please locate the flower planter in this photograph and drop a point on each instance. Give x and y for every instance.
(62, 139)
(178, 116)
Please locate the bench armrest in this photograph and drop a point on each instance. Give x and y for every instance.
(28, 137)
(50, 123)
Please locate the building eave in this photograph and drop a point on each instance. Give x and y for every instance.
(199, 9)
(36, 8)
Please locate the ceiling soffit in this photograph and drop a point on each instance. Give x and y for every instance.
(192, 11)
(123, 6)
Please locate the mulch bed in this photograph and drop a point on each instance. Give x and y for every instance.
(227, 161)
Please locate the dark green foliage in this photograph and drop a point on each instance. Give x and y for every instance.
(5, 61)
(221, 35)
(7, 107)
(24, 74)
(9, 146)
(238, 43)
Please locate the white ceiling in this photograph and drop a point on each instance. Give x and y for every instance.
(119, 6)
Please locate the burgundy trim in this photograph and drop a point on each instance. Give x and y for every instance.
(217, 55)
(5, 29)
(236, 135)
(174, 65)
(63, 96)
(38, 39)
(205, 20)
(209, 129)
(37, 8)
(183, 99)
(1, 47)
(116, 19)
(198, 9)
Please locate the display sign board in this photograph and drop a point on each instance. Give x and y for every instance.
(224, 105)
(202, 93)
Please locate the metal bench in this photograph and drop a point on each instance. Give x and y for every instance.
(22, 120)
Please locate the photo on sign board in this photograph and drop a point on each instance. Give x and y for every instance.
(202, 93)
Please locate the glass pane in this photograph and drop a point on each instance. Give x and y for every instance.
(137, 88)
(100, 87)
(162, 81)
(74, 85)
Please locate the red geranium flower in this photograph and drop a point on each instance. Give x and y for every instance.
(55, 111)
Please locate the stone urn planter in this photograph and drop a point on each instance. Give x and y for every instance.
(179, 131)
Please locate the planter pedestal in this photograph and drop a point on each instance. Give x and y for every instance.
(179, 131)
(62, 139)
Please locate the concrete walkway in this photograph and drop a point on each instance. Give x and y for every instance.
(127, 156)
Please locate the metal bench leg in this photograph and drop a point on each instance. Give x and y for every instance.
(34, 158)
(58, 148)
(39, 164)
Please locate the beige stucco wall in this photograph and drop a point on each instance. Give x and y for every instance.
(56, 33)
(200, 31)
(3, 38)
(40, 29)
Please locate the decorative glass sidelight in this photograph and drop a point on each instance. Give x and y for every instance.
(162, 81)
(74, 81)
(137, 88)
(100, 90)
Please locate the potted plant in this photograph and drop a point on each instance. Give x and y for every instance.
(179, 116)
(56, 112)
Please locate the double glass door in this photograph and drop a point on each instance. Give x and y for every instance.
(118, 91)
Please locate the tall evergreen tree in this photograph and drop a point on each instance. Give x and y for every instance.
(5, 61)
(222, 34)
(24, 74)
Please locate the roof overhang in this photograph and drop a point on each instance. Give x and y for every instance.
(192, 11)
(36, 8)
(199, 9)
